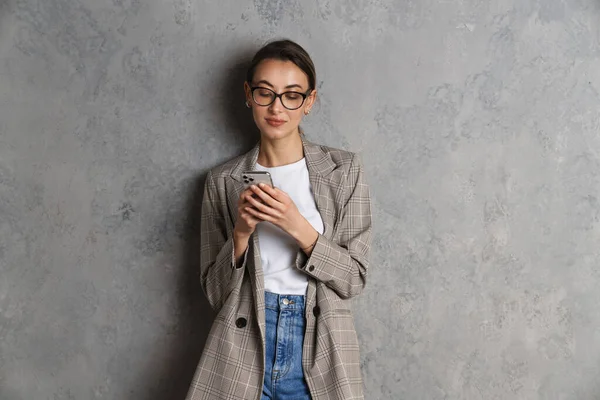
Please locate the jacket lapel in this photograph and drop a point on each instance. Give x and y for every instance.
(320, 165)
(236, 185)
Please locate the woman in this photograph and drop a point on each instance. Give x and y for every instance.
(279, 265)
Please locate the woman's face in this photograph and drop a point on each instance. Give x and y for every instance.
(275, 121)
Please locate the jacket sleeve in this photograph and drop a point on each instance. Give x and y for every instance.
(343, 266)
(218, 270)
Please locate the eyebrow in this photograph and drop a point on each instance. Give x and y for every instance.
(287, 87)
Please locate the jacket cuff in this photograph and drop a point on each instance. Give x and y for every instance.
(245, 257)
(316, 262)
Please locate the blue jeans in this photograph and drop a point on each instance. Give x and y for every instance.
(284, 377)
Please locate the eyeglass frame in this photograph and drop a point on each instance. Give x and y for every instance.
(304, 96)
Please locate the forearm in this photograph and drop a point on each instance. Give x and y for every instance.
(306, 236)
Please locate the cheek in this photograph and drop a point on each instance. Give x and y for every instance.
(258, 113)
(295, 116)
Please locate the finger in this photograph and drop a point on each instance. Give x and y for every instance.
(257, 215)
(279, 195)
(260, 215)
(250, 219)
(266, 198)
(243, 201)
(247, 216)
(273, 192)
(245, 193)
(261, 206)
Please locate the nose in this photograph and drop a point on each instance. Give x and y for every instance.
(276, 105)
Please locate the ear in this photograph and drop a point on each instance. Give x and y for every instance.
(248, 91)
(310, 100)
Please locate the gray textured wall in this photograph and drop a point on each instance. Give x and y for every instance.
(479, 127)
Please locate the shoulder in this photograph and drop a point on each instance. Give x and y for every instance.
(340, 157)
(225, 168)
(344, 160)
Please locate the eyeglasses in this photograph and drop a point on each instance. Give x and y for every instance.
(290, 100)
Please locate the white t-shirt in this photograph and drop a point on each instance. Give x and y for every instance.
(277, 248)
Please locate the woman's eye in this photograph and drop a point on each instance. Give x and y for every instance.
(292, 96)
(264, 93)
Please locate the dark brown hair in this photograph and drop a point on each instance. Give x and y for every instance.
(285, 50)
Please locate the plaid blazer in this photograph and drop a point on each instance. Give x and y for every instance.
(232, 363)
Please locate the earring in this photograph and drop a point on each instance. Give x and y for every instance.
(247, 104)
(306, 112)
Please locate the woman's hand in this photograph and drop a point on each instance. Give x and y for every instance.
(244, 226)
(246, 222)
(276, 206)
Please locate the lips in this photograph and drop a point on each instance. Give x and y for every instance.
(275, 122)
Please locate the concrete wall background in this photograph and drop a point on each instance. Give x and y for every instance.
(479, 127)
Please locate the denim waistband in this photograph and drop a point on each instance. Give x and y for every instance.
(278, 301)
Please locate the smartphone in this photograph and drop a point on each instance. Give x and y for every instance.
(256, 177)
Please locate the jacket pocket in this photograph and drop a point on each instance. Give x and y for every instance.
(345, 311)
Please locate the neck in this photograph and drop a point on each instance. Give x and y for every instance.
(274, 153)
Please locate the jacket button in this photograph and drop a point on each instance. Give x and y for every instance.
(311, 268)
(316, 311)
(240, 322)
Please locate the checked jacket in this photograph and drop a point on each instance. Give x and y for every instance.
(232, 363)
